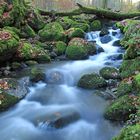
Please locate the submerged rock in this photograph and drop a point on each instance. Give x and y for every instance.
(106, 39)
(55, 77)
(58, 119)
(91, 81)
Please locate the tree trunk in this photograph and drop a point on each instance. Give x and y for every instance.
(102, 13)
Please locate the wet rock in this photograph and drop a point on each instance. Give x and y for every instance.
(114, 33)
(37, 75)
(116, 43)
(116, 57)
(106, 39)
(99, 49)
(16, 66)
(58, 119)
(17, 88)
(114, 27)
(91, 81)
(61, 58)
(54, 77)
(53, 54)
(112, 82)
(104, 32)
(110, 73)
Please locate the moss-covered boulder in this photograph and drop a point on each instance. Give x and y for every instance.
(28, 52)
(125, 87)
(121, 108)
(52, 32)
(9, 43)
(129, 133)
(37, 75)
(7, 101)
(95, 25)
(60, 48)
(75, 32)
(110, 73)
(92, 81)
(77, 49)
(130, 67)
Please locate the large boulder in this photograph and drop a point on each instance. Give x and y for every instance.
(79, 48)
(28, 52)
(121, 108)
(110, 73)
(91, 81)
(9, 43)
(52, 32)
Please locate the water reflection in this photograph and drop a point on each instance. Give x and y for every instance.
(65, 5)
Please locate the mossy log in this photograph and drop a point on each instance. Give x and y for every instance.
(101, 13)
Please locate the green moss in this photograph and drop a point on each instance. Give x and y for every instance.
(130, 67)
(27, 52)
(75, 32)
(91, 81)
(7, 101)
(9, 42)
(12, 29)
(76, 49)
(60, 47)
(121, 108)
(136, 83)
(124, 88)
(96, 25)
(83, 26)
(52, 32)
(66, 22)
(129, 133)
(109, 73)
(37, 75)
(31, 63)
(27, 31)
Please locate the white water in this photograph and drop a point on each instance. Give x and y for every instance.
(19, 123)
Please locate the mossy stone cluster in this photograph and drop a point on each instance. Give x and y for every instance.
(92, 81)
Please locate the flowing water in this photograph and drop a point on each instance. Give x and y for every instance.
(23, 122)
